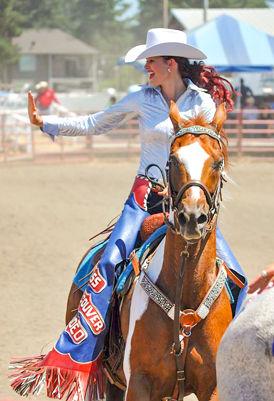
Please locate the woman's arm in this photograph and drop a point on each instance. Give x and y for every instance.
(94, 124)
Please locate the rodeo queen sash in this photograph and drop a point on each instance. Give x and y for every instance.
(72, 368)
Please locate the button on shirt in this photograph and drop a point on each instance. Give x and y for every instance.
(152, 110)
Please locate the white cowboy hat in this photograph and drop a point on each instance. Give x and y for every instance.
(41, 85)
(164, 42)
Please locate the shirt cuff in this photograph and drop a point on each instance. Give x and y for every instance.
(50, 126)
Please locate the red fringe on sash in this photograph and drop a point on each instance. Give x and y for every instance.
(31, 374)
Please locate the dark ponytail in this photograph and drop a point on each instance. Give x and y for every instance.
(207, 78)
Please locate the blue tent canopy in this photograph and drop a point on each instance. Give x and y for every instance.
(232, 45)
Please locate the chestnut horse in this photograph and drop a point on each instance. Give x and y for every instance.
(177, 311)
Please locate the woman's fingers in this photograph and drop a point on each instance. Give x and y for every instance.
(34, 116)
(31, 106)
(255, 284)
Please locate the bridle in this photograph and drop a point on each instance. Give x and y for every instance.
(173, 199)
(171, 202)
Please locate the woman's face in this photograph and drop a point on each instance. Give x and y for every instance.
(157, 69)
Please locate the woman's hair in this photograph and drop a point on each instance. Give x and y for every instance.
(207, 78)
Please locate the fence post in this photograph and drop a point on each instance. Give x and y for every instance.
(62, 146)
(3, 135)
(240, 132)
(33, 149)
(89, 146)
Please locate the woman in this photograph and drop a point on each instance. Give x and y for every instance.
(195, 88)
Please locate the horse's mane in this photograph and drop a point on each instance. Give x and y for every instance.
(201, 120)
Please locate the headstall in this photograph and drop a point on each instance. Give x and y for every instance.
(172, 200)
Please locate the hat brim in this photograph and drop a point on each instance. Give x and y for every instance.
(176, 49)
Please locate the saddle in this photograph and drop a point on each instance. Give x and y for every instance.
(150, 225)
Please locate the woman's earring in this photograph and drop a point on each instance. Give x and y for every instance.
(169, 70)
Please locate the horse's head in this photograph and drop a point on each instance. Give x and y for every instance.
(197, 159)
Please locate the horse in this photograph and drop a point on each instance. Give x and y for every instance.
(251, 376)
(174, 316)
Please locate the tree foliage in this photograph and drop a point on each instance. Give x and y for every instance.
(43, 13)
(97, 22)
(11, 22)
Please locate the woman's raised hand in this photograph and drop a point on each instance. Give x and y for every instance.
(34, 116)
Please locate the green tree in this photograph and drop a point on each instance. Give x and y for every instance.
(150, 15)
(11, 22)
(99, 23)
(43, 13)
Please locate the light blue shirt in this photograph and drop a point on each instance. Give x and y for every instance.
(152, 110)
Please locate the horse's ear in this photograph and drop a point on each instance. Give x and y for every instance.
(174, 115)
(220, 116)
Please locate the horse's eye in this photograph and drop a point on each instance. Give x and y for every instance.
(174, 161)
(218, 165)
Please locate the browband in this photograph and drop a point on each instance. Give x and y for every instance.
(198, 130)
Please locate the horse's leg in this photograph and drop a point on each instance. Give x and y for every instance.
(73, 302)
(205, 396)
(113, 393)
(139, 388)
(214, 395)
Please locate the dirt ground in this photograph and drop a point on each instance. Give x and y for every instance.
(48, 212)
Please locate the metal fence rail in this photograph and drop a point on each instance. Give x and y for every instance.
(20, 141)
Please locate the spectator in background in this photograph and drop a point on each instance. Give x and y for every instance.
(250, 112)
(265, 105)
(112, 96)
(245, 92)
(45, 97)
(250, 109)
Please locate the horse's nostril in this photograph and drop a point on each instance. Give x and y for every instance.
(182, 219)
(202, 219)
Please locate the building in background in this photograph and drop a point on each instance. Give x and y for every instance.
(52, 55)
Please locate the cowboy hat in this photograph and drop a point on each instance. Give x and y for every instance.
(164, 42)
(41, 85)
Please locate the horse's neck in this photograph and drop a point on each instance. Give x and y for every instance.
(199, 271)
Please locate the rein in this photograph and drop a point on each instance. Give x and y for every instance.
(178, 350)
(181, 331)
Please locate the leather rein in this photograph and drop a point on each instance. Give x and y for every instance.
(182, 326)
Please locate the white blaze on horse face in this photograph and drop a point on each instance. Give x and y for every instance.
(139, 305)
(193, 157)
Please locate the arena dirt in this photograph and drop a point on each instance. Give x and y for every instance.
(48, 212)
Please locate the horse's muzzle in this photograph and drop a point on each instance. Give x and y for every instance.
(192, 223)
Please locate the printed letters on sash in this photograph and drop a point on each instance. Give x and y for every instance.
(91, 314)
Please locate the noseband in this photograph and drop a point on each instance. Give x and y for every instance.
(174, 198)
